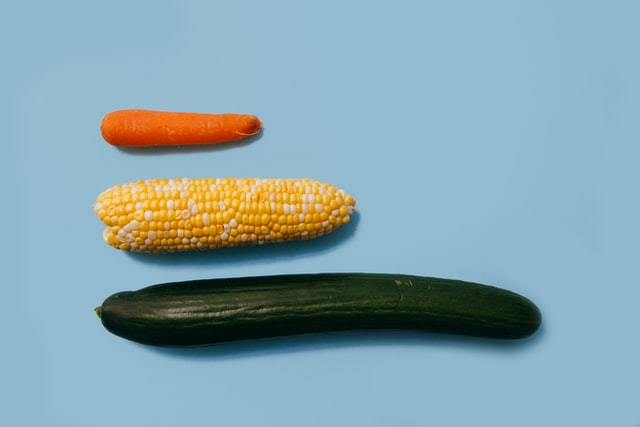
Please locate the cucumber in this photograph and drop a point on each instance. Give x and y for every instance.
(203, 312)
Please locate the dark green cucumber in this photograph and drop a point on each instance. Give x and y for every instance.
(205, 312)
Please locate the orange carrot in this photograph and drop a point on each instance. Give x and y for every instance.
(144, 128)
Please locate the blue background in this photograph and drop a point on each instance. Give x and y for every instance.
(492, 141)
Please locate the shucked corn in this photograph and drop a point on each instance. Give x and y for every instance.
(168, 215)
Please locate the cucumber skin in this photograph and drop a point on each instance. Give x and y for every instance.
(204, 312)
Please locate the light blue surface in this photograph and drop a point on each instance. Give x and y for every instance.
(491, 141)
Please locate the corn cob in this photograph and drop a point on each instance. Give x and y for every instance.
(169, 215)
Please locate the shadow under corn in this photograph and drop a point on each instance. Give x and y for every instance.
(347, 340)
(268, 252)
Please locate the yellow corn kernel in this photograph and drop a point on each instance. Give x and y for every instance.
(169, 215)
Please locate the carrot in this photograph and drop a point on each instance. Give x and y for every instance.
(144, 128)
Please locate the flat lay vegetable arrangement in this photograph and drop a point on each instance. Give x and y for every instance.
(183, 214)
